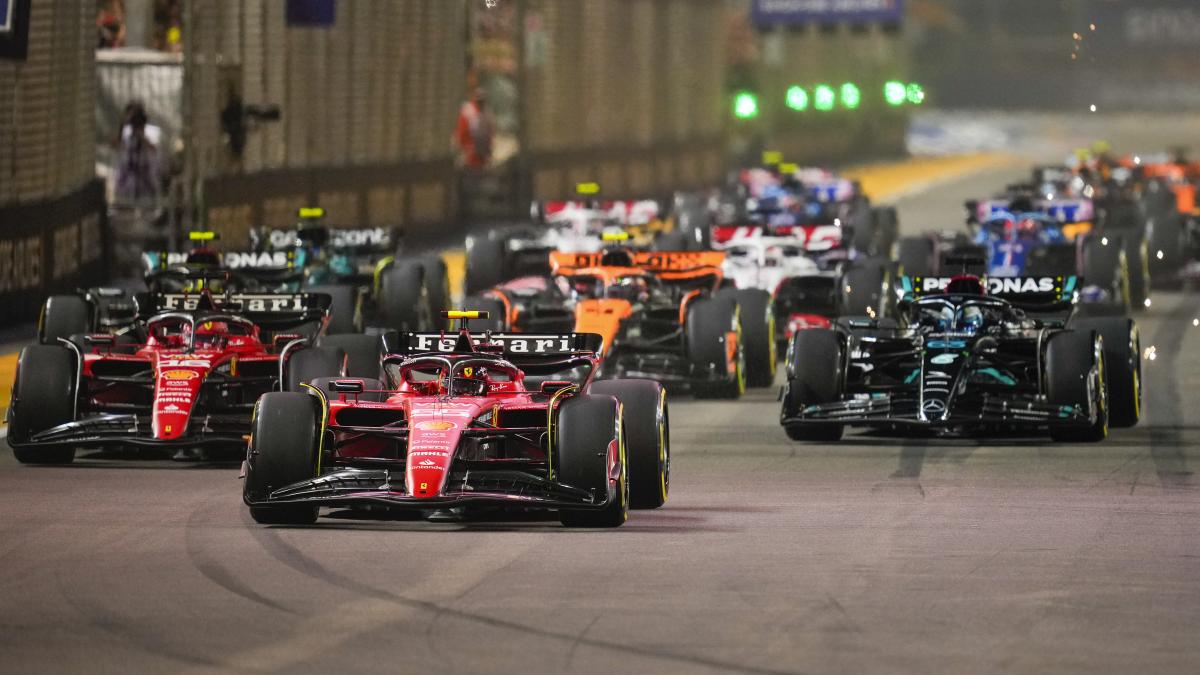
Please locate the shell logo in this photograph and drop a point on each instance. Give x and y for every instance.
(179, 375)
(436, 426)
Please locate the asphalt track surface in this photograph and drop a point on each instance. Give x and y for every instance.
(871, 555)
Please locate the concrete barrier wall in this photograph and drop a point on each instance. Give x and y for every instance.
(51, 208)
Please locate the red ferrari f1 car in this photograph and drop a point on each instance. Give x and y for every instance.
(485, 420)
(184, 374)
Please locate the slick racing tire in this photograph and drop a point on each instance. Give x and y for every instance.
(586, 426)
(1070, 360)
(863, 287)
(43, 398)
(1122, 365)
(707, 329)
(375, 391)
(403, 302)
(886, 222)
(1165, 255)
(862, 221)
(758, 334)
(485, 262)
(283, 450)
(62, 317)
(1104, 267)
(915, 255)
(497, 320)
(1137, 254)
(363, 352)
(343, 308)
(437, 288)
(814, 376)
(306, 365)
(647, 438)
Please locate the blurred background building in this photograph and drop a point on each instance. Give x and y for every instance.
(433, 114)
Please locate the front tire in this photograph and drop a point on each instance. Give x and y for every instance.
(1122, 366)
(1070, 360)
(814, 377)
(283, 450)
(647, 438)
(587, 426)
(43, 397)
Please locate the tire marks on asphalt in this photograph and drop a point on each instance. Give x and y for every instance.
(383, 606)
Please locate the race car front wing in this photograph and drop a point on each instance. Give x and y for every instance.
(118, 430)
(986, 409)
(385, 487)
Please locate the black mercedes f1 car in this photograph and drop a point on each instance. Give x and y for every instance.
(969, 356)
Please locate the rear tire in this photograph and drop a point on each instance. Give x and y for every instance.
(437, 288)
(64, 316)
(1137, 258)
(283, 450)
(1070, 357)
(43, 397)
(587, 425)
(306, 365)
(1102, 267)
(862, 289)
(497, 320)
(343, 308)
(758, 334)
(403, 302)
(707, 328)
(647, 438)
(363, 353)
(1166, 249)
(887, 227)
(915, 255)
(814, 376)
(485, 262)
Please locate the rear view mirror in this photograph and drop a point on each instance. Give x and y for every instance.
(347, 386)
(555, 386)
(282, 339)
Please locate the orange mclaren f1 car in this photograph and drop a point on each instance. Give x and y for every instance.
(663, 315)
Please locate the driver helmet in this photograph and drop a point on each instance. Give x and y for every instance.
(471, 381)
(943, 320)
(1027, 228)
(970, 319)
(633, 289)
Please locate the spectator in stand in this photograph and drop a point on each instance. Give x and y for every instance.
(110, 24)
(138, 171)
(475, 132)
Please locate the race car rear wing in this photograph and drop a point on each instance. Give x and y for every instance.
(381, 240)
(556, 345)
(655, 262)
(1042, 293)
(271, 311)
(625, 212)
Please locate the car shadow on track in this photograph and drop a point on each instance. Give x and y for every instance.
(659, 521)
